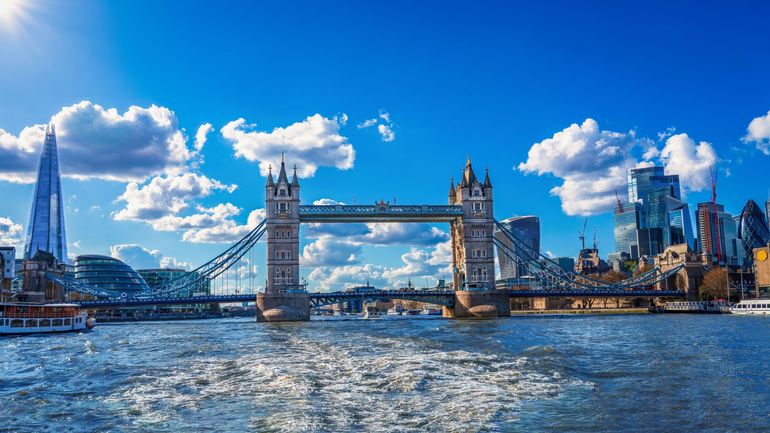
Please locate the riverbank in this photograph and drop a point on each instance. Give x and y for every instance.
(643, 310)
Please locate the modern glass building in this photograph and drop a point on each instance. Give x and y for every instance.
(628, 218)
(752, 229)
(45, 230)
(643, 180)
(655, 216)
(108, 273)
(158, 277)
(527, 229)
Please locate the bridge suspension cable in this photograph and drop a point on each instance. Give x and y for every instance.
(546, 270)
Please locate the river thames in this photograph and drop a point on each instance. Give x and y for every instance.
(560, 373)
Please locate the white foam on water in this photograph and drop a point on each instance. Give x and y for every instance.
(310, 385)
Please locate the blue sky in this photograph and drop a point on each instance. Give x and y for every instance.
(667, 83)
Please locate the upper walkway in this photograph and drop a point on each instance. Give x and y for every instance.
(380, 212)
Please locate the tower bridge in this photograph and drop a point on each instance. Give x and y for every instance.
(470, 214)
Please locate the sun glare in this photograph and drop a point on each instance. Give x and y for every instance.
(12, 14)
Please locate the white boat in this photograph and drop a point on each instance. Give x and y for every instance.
(21, 318)
(395, 311)
(753, 306)
(708, 307)
(431, 311)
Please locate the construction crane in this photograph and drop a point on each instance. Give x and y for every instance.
(596, 242)
(582, 236)
(716, 214)
(617, 198)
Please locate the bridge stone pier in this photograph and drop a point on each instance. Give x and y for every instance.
(470, 214)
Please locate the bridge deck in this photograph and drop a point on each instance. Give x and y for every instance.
(378, 213)
(432, 296)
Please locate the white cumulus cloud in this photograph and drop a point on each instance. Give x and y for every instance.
(758, 132)
(691, 161)
(95, 142)
(591, 162)
(11, 234)
(384, 126)
(139, 257)
(311, 143)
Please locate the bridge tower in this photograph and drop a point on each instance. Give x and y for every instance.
(284, 299)
(472, 235)
(473, 257)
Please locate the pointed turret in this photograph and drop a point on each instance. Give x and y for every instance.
(469, 177)
(282, 178)
(452, 191)
(487, 182)
(270, 176)
(294, 179)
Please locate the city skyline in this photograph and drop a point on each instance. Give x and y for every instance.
(145, 164)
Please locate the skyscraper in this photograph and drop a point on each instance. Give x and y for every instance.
(45, 230)
(527, 229)
(628, 218)
(655, 216)
(752, 229)
(718, 234)
(767, 211)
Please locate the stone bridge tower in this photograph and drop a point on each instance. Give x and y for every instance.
(282, 301)
(282, 213)
(473, 245)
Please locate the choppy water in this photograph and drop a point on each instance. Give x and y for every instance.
(585, 374)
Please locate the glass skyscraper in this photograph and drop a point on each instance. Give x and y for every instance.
(45, 230)
(752, 229)
(527, 229)
(655, 216)
(628, 219)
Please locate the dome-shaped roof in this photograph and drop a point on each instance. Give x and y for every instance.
(108, 273)
(753, 228)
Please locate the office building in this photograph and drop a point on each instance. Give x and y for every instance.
(655, 217)
(718, 235)
(155, 278)
(108, 273)
(45, 229)
(753, 230)
(527, 230)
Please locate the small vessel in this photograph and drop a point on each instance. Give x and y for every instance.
(395, 311)
(431, 311)
(753, 306)
(412, 312)
(21, 318)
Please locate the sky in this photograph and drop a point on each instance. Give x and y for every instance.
(169, 113)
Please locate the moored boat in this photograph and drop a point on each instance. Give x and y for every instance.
(752, 306)
(21, 318)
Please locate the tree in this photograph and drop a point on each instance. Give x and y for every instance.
(714, 285)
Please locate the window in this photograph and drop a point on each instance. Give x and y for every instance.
(282, 192)
(282, 207)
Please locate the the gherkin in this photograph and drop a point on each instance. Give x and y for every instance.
(45, 230)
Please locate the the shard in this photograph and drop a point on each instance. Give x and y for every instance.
(45, 230)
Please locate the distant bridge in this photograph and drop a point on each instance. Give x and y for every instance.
(380, 212)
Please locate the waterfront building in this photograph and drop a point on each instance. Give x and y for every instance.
(761, 259)
(45, 229)
(753, 229)
(589, 262)
(158, 277)
(108, 273)
(7, 270)
(527, 230)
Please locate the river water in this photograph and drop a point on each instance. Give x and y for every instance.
(680, 373)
